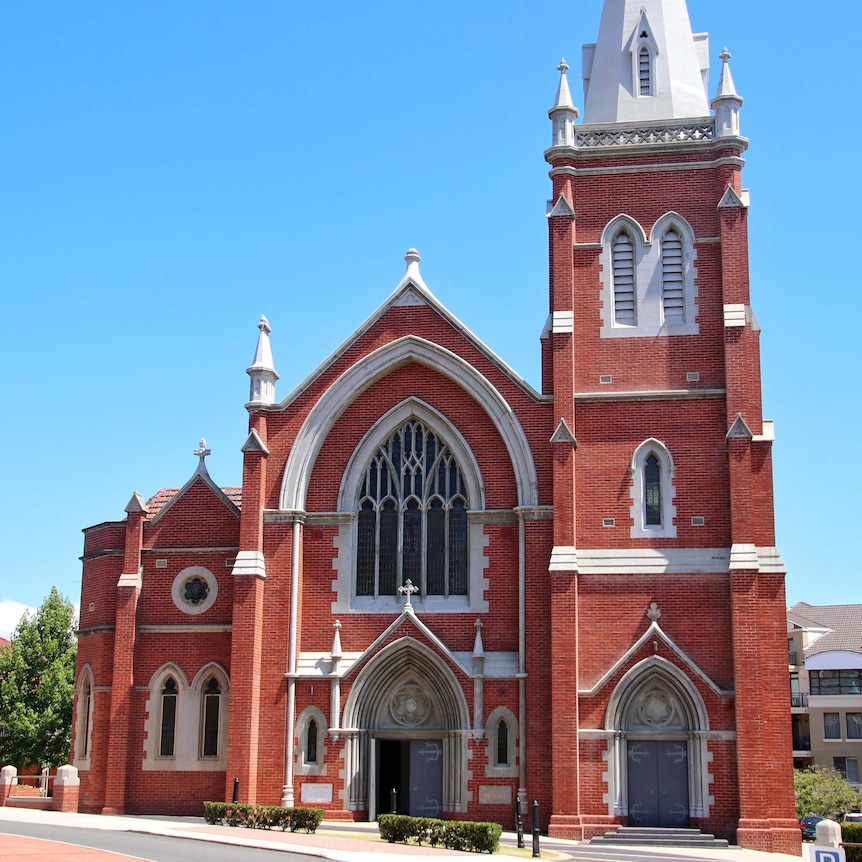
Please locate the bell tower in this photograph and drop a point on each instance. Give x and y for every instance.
(662, 458)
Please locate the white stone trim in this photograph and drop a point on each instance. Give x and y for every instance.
(177, 591)
(653, 561)
(563, 322)
(640, 529)
(564, 559)
(249, 563)
(649, 286)
(376, 365)
(734, 315)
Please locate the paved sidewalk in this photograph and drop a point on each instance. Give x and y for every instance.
(342, 842)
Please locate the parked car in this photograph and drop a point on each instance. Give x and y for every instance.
(808, 825)
(853, 817)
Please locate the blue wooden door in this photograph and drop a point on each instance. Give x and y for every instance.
(426, 777)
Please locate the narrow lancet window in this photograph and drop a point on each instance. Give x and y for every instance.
(652, 491)
(168, 729)
(211, 711)
(502, 744)
(311, 742)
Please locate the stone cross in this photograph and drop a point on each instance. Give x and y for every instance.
(408, 590)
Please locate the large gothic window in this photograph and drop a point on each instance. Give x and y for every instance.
(412, 521)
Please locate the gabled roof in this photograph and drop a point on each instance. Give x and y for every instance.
(411, 291)
(842, 626)
(163, 498)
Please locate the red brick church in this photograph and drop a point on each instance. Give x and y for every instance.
(438, 581)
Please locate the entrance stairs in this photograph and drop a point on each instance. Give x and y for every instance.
(656, 837)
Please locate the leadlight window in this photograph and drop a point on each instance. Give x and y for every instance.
(311, 742)
(412, 520)
(623, 256)
(652, 491)
(211, 711)
(644, 72)
(168, 729)
(673, 282)
(502, 744)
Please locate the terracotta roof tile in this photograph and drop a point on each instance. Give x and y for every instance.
(843, 621)
(161, 498)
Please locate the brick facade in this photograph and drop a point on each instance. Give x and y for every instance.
(599, 645)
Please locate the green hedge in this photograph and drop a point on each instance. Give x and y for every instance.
(263, 816)
(452, 834)
(851, 833)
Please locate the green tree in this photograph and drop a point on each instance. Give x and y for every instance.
(37, 683)
(825, 792)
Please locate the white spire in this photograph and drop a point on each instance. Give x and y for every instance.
(727, 102)
(564, 113)
(262, 372)
(647, 65)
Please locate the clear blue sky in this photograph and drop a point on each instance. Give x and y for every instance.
(170, 171)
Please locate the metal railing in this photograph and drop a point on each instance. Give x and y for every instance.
(799, 700)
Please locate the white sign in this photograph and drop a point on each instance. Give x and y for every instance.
(828, 854)
(316, 793)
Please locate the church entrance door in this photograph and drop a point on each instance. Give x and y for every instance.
(414, 769)
(658, 783)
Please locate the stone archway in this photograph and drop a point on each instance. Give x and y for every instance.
(406, 722)
(658, 756)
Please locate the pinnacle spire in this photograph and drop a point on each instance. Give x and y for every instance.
(262, 372)
(727, 101)
(564, 113)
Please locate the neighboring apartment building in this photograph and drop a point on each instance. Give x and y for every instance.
(825, 658)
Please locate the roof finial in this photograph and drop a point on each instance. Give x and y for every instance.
(563, 67)
(725, 54)
(202, 452)
(264, 326)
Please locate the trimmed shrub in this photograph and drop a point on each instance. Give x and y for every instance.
(263, 816)
(851, 833)
(451, 834)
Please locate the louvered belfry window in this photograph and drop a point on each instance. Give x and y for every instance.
(412, 520)
(673, 285)
(624, 279)
(644, 72)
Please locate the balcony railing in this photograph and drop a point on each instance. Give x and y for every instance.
(798, 700)
(802, 743)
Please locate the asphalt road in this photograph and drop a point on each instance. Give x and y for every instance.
(153, 848)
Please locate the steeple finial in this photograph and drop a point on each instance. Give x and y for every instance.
(202, 451)
(564, 113)
(263, 374)
(727, 101)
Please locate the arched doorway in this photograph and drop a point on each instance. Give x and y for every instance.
(408, 724)
(659, 749)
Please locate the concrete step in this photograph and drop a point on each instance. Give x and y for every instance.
(39, 803)
(657, 837)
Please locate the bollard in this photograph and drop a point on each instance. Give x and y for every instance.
(519, 822)
(536, 852)
(393, 801)
(235, 790)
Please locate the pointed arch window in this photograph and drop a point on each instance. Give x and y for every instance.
(645, 87)
(168, 726)
(652, 492)
(210, 719)
(502, 744)
(623, 261)
(412, 519)
(311, 742)
(672, 277)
